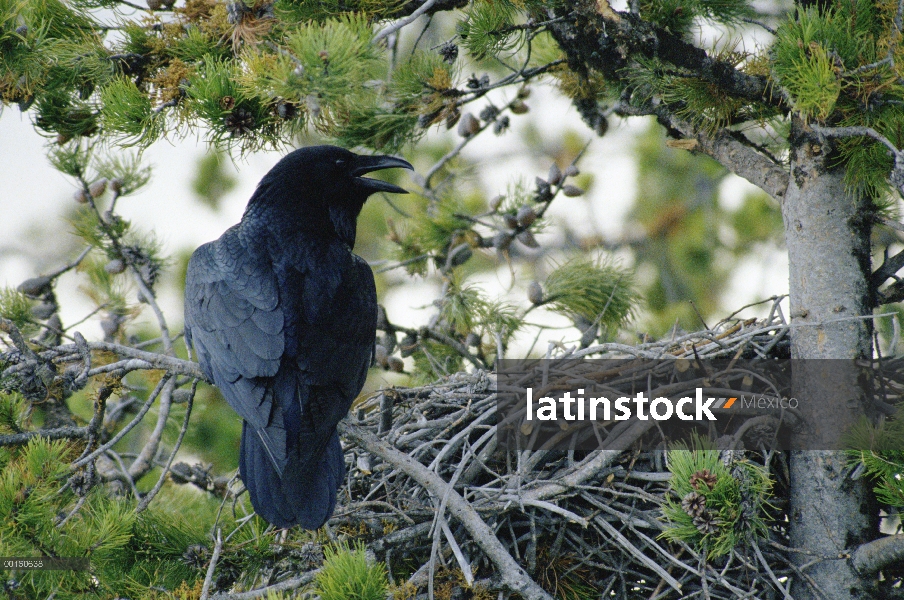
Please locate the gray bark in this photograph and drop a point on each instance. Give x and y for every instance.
(827, 234)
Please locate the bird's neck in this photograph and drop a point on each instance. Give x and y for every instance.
(264, 221)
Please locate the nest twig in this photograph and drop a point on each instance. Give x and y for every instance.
(430, 481)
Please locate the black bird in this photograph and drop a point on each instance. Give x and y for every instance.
(283, 319)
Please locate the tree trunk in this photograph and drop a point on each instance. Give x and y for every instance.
(827, 234)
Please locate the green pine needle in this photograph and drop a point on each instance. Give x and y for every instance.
(347, 574)
(598, 290)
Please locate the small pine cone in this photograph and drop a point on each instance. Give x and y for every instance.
(501, 125)
(285, 110)
(705, 477)
(526, 216)
(452, 118)
(449, 52)
(489, 113)
(475, 83)
(502, 240)
(116, 185)
(425, 121)
(706, 523)
(98, 188)
(82, 482)
(81, 196)
(544, 190)
(468, 126)
(310, 555)
(115, 266)
(396, 364)
(195, 556)
(110, 327)
(239, 122)
(511, 221)
(693, 504)
(496, 202)
(36, 286)
(555, 175)
(460, 255)
(571, 171)
(154, 4)
(519, 108)
(572, 191)
(535, 293)
(181, 396)
(602, 126)
(527, 238)
(408, 345)
(747, 512)
(43, 310)
(381, 357)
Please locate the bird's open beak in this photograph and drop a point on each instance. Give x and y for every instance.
(368, 164)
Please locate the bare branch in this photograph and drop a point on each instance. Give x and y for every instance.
(389, 30)
(878, 554)
(60, 433)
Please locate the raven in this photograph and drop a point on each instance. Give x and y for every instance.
(283, 318)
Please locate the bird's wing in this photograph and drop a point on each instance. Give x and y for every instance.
(334, 341)
(234, 318)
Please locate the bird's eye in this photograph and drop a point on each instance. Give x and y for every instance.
(340, 162)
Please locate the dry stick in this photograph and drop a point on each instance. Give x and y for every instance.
(513, 575)
(765, 563)
(282, 586)
(205, 590)
(60, 433)
(150, 495)
(143, 463)
(589, 468)
(645, 560)
(399, 24)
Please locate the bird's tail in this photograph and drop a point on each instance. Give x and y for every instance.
(305, 497)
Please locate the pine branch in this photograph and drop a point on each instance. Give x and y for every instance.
(608, 45)
(878, 554)
(60, 433)
(723, 146)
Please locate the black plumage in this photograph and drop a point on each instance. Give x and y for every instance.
(282, 316)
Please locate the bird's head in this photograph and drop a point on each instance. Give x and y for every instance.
(327, 180)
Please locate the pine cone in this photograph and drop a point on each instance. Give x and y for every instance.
(705, 477)
(310, 555)
(706, 523)
(694, 504)
(501, 125)
(449, 52)
(239, 122)
(196, 556)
